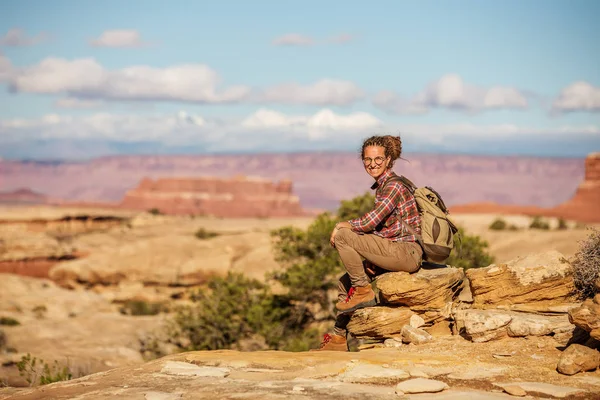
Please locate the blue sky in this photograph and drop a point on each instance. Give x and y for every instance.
(81, 78)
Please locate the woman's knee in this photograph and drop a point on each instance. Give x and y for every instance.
(344, 236)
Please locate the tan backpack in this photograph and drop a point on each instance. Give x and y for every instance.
(437, 230)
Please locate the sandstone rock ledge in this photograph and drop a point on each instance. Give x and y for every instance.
(526, 297)
(457, 370)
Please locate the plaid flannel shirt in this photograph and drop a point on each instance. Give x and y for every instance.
(392, 202)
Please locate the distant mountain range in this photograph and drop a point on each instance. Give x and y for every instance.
(320, 180)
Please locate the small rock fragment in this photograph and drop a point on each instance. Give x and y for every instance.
(544, 388)
(369, 373)
(416, 321)
(415, 335)
(420, 385)
(514, 390)
(577, 358)
(393, 342)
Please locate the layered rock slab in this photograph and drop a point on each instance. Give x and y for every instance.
(485, 325)
(427, 289)
(542, 280)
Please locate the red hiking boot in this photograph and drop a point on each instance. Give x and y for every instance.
(333, 343)
(358, 297)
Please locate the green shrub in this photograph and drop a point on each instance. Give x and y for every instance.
(586, 267)
(470, 251)
(138, 307)
(155, 211)
(539, 223)
(204, 234)
(3, 340)
(498, 225)
(35, 371)
(8, 321)
(513, 227)
(356, 207)
(562, 224)
(221, 314)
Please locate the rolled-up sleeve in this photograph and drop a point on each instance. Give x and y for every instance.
(389, 200)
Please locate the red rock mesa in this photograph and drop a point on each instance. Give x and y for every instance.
(237, 197)
(585, 204)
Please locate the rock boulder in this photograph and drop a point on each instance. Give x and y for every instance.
(587, 316)
(539, 279)
(427, 289)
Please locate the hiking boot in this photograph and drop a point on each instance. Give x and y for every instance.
(333, 343)
(358, 297)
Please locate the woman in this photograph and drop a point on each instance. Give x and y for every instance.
(379, 236)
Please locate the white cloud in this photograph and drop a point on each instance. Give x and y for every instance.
(17, 37)
(85, 82)
(341, 38)
(293, 39)
(119, 38)
(579, 96)
(451, 92)
(323, 92)
(183, 127)
(86, 79)
(6, 69)
(266, 129)
(75, 103)
(321, 124)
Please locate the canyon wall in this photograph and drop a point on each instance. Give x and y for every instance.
(236, 197)
(585, 204)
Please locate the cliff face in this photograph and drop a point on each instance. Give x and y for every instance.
(22, 196)
(237, 197)
(585, 204)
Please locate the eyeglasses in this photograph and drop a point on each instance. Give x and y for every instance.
(378, 160)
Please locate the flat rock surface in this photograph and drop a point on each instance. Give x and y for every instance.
(368, 374)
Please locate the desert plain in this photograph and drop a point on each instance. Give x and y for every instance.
(69, 306)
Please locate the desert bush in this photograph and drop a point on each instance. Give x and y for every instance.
(356, 207)
(539, 223)
(8, 321)
(562, 224)
(222, 314)
(586, 267)
(36, 371)
(154, 211)
(204, 234)
(310, 264)
(138, 307)
(470, 251)
(498, 225)
(3, 339)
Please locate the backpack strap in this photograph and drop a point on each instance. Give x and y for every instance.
(411, 188)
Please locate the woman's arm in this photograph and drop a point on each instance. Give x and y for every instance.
(390, 197)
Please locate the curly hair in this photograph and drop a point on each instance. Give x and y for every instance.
(391, 144)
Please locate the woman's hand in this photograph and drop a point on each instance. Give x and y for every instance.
(338, 226)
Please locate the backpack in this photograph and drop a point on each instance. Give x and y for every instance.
(437, 230)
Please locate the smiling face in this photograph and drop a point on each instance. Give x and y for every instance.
(375, 161)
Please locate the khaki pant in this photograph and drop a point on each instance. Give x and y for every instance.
(384, 253)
